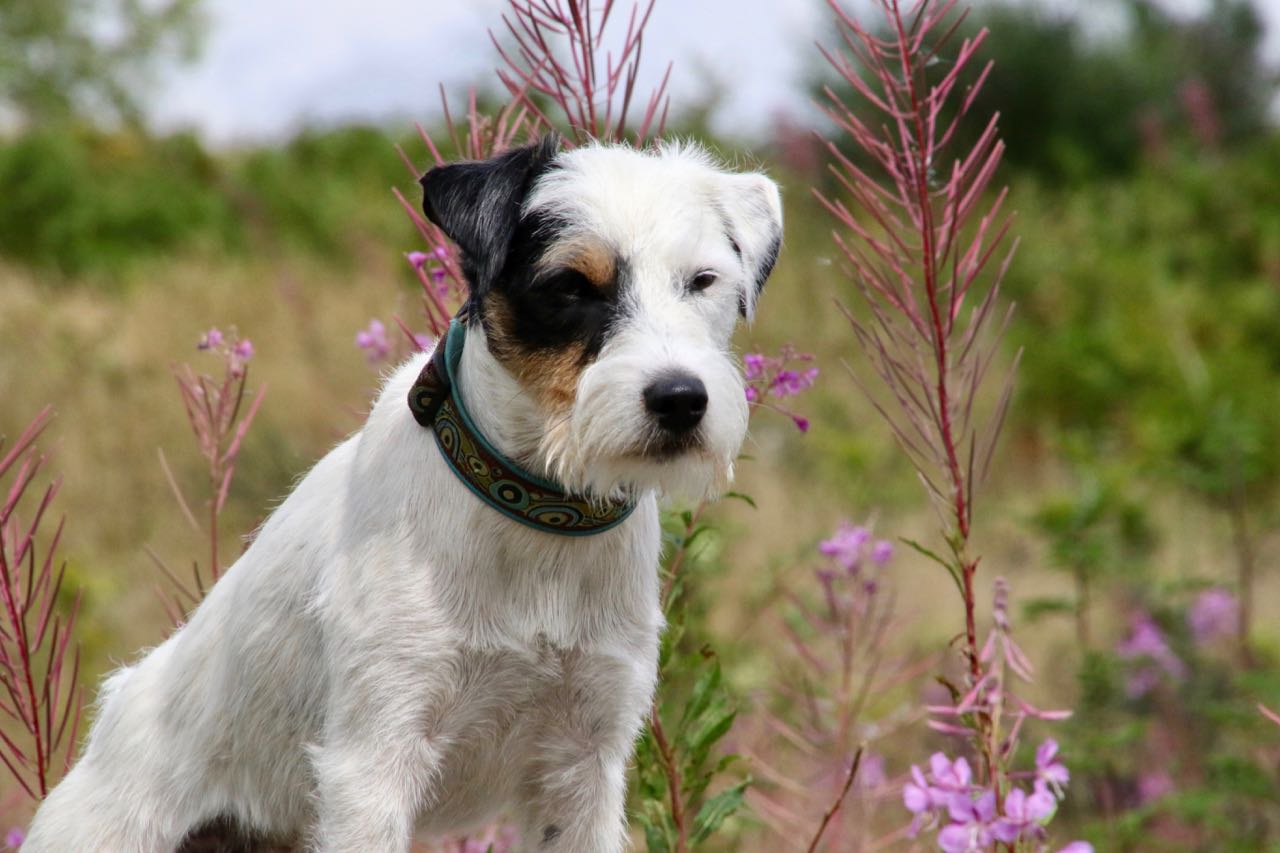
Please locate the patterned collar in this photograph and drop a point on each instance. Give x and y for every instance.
(496, 480)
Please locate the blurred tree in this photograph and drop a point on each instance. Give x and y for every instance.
(1096, 532)
(1073, 103)
(65, 58)
(1076, 102)
(1211, 64)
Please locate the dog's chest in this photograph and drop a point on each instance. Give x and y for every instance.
(515, 706)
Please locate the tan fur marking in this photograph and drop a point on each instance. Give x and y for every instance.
(590, 257)
(550, 375)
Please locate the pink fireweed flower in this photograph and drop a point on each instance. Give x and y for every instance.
(846, 546)
(789, 383)
(1025, 815)
(14, 837)
(244, 350)
(918, 795)
(1077, 847)
(373, 340)
(873, 774)
(1001, 636)
(770, 378)
(925, 801)
(1049, 769)
(1153, 786)
(954, 776)
(1148, 649)
(1145, 639)
(212, 339)
(441, 252)
(1213, 616)
(417, 259)
(970, 830)
(882, 552)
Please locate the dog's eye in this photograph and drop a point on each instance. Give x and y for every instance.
(570, 284)
(702, 281)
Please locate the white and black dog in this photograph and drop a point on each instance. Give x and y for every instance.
(401, 653)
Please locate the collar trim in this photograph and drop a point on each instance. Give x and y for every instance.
(516, 493)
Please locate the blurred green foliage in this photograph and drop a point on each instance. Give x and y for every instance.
(84, 201)
(1185, 766)
(694, 706)
(60, 59)
(1146, 310)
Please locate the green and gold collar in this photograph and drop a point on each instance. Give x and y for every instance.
(496, 480)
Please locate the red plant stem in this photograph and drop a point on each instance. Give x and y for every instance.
(968, 570)
(677, 559)
(213, 529)
(667, 754)
(940, 339)
(24, 657)
(835, 807)
(921, 185)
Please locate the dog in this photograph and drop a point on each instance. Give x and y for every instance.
(406, 649)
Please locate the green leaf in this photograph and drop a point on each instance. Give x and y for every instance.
(703, 692)
(951, 570)
(716, 810)
(1045, 605)
(712, 726)
(693, 536)
(659, 835)
(745, 498)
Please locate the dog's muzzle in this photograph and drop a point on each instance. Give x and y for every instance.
(676, 402)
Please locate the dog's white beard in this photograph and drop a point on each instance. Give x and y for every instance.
(598, 448)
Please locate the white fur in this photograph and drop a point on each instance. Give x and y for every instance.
(612, 195)
(390, 656)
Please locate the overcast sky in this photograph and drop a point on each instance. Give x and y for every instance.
(269, 66)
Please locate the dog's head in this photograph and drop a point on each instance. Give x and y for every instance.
(608, 282)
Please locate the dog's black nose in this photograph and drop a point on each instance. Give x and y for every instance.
(677, 400)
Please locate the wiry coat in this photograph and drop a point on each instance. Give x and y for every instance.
(391, 656)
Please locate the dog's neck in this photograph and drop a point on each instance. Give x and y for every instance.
(503, 411)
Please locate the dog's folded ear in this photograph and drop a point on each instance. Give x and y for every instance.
(477, 204)
(753, 207)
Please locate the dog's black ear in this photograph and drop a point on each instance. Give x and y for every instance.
(753, 209)
(477, 204)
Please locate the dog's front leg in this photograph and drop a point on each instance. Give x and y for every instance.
(576, 807)
(377, 766)
(371, 788)
(573, 795)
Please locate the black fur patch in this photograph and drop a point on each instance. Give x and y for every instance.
(551, 833)
(224, 835)
(477, 204)
(763, 270)
(556, 308)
